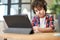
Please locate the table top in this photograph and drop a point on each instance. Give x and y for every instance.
(36, 36)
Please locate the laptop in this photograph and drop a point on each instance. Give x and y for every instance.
(18, 24)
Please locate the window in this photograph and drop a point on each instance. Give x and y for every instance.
(14, 1)
(3, 1)
(12, 7)
(3, 8)
(14, 10)
(26, 7)
(25, 1)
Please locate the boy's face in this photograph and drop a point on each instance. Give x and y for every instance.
(39, 11)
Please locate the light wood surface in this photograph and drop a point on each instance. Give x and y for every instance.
(37, 36)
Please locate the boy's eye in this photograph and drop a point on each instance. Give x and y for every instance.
(36, 10)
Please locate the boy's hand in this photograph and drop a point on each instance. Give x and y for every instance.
(35, 28)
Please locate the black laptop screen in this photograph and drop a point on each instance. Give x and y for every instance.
(17, 21)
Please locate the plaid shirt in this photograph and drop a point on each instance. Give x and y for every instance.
(49, 21)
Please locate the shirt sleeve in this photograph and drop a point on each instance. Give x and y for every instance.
(34, 21)
(51, 22)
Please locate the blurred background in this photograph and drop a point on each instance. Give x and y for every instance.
(17, 7)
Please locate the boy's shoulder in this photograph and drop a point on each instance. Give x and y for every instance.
(48, 16)
(35, 18)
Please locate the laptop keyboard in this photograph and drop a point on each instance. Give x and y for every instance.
(18, 30)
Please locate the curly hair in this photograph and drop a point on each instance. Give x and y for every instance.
(39, 3)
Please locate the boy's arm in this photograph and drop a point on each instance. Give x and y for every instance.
(51, 26)
(45, 29)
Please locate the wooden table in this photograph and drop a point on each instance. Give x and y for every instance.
(37, 36)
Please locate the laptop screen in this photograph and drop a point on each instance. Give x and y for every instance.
(17, 21)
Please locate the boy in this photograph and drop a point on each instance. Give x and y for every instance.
(41, 22)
